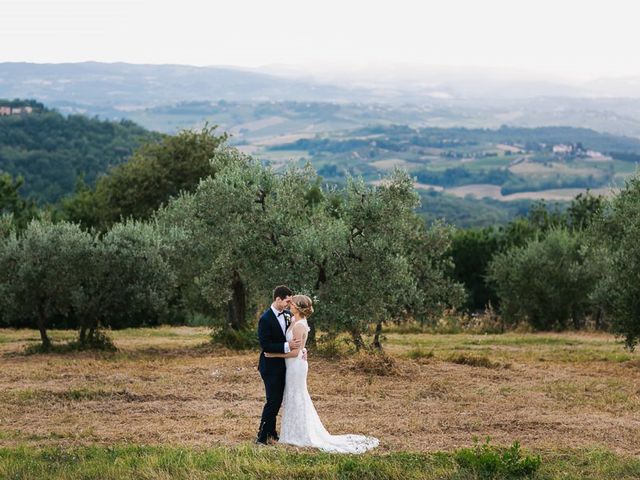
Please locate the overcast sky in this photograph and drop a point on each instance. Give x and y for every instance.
(574, 37)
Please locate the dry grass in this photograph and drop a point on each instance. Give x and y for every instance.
(165, 388)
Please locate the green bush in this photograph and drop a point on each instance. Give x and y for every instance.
(243, 339)
(547, 282)
(330, 345)
(615, 243)
(99, 340)
(486, 461)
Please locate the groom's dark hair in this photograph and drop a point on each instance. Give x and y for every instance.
(282, 292)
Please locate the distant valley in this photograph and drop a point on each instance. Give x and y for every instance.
(459, 139)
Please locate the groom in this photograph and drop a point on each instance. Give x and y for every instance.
(272, 328)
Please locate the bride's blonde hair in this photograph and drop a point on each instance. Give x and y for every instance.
(304, 304)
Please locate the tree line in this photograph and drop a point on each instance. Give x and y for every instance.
(190, 225)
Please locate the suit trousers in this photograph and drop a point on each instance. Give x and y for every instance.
(274, 388)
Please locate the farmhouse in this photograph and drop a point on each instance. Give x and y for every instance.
(6, 111)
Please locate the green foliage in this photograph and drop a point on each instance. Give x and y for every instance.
(396, 138)
(41, 271)
(457, 176)
(470, 212)
(7, 225)
(517, 184)
(332, 345)
(584, 209)
(51, 271)
(12, 203)
(361, 250)
(50, 150)
(486, 461)
(547, 282)
(128, 280)
(230, 251)
(614, 242)
(98, 341)
(243, 339)
(116, 462)
(378, 261)
(473, 249)
(155, 173)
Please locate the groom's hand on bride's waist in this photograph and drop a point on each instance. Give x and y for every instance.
(304, 354)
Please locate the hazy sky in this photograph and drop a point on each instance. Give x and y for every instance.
(582, 37)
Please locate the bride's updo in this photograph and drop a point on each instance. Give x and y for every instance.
(303, 304)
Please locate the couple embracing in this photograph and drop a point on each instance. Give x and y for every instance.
(283, 331)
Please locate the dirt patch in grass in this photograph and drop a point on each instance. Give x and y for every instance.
(169, 390)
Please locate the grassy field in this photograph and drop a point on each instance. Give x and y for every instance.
(169, 405)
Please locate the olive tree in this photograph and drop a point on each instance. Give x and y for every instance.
(365, 254)
(614, 242)
(231, 240)
(361, 249)
(546, 282)
(128, 280)
(41, 271)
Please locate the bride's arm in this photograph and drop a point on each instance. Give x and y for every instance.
(298, 334)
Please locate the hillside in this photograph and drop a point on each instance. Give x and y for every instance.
(509, 163)
(51, 150)
(118, 87)
(468, 176)
(258, 102)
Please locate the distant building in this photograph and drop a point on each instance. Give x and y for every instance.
(563, 149)
(597, 155)
(7, 110)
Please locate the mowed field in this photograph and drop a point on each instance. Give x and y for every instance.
(168, 387)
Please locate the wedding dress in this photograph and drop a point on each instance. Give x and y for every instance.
(301, 425)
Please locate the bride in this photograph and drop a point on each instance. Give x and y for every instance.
(301, 425)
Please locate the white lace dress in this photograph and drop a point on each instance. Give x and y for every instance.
(301, 425)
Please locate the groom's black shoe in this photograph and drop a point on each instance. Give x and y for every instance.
(263, 436)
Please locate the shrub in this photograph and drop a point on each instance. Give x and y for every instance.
(548, 282)
(615, 243)
(99, 340)
(330, 345)
(486, 461)
(42, 271)
(243, 339)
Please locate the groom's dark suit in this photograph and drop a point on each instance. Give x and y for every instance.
(272, 371)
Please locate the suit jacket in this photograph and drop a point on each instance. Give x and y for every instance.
(272, 340)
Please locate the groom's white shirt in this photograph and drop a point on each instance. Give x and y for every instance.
(283, 326)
